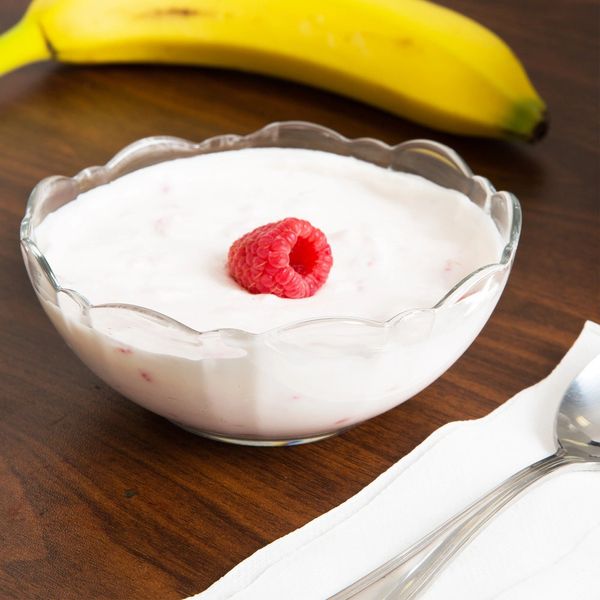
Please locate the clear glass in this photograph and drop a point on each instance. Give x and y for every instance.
(297, 383)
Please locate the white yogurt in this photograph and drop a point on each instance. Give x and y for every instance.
(159, 237)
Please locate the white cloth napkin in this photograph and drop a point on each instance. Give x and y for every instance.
(545, 545)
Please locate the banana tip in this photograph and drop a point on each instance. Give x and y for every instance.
(540, 130)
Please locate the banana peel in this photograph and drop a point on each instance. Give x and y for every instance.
(411, 57)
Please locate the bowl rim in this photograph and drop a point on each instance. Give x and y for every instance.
(127, 155)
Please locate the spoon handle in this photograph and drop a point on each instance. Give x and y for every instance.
(407, 574)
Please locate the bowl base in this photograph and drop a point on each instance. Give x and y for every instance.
(248, 441)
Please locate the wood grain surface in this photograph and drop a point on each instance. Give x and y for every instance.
(102, 499)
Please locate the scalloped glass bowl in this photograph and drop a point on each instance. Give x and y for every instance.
(293, 384)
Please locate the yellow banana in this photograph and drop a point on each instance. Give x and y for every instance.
(411, 57)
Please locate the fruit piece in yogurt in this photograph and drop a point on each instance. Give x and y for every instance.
(289, 258)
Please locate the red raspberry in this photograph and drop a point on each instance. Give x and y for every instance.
(290, 259)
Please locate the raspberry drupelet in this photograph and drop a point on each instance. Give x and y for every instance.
(289, 258)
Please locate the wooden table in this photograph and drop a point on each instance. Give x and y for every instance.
(102, 499)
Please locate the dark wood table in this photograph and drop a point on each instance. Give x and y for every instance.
(102, 499)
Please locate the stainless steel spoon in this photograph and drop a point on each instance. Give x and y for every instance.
(577, 430)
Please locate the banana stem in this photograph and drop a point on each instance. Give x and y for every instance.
(21, 45)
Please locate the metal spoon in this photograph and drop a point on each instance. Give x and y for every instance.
(577, 430)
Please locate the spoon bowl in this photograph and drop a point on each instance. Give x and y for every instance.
(578, 418)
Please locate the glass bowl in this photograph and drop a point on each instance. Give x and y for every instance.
(298, 383)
